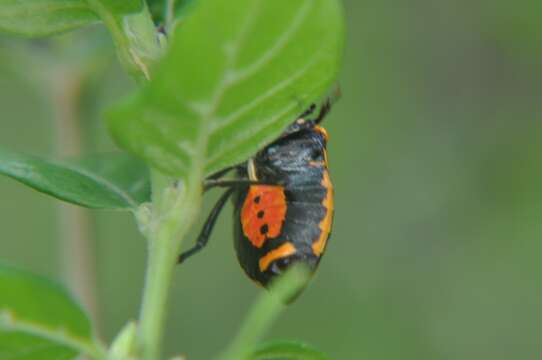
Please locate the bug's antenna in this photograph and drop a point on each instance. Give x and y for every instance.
(333, 97)
(336, 94)
(308, 112)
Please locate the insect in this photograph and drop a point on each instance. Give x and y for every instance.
(283, 199)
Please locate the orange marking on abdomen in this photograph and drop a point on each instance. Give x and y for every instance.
(263, 213)
(319, 245)
(282, 251)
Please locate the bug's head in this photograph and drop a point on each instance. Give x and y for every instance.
(280, 266)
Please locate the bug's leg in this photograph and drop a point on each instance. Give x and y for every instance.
(217, 175)
(235, 183)
(324, 110)
(205, 233)
(221, 173)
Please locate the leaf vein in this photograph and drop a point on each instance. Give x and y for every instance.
(230, 119)
(8, 322)
(232, 51)
(104, 182)
(25, 9)
(246, 135)
(240, 75)
(27, 351)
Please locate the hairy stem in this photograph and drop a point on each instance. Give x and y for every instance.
(174, 210)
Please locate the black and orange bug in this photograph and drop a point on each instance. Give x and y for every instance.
(283, 199)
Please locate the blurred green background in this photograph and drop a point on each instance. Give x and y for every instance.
(436, 156)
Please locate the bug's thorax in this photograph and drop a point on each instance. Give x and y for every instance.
(294, 160)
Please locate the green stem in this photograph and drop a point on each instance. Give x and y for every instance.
(114, 27)
(174, 210)
(75, 224)
(170, 15)
(135, 38)
(159, 272)
(265, 311)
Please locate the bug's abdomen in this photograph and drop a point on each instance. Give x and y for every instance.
(263, 213)
(313, 207)
(275, 224)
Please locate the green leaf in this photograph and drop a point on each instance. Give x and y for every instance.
(119, 7)
(113, 181)
(182, 9)
(39, 320)
(45, 17)
(287, 350)
(237, 72)
(124, 346)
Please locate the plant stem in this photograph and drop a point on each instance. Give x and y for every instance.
(157, 283)
(135, 39)
(170, 16)
(174, 210)
(265, 311)
(74, 222)
(119, 37)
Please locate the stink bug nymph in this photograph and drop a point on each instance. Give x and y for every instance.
(283, 199)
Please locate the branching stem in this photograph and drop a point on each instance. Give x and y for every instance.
(174, 210)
